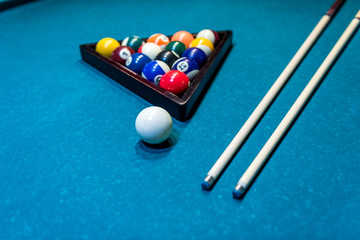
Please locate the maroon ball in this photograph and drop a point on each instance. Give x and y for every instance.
(120, 54)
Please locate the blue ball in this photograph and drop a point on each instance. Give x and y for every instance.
(197, 54)
(187, 66)
(137, 62)
(154, 70)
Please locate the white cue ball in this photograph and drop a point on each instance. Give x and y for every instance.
(154, 125)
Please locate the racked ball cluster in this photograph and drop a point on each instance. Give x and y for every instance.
(171, 64)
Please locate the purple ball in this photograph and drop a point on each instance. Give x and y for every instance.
(196, 54)
(188, 66)
(137, 62)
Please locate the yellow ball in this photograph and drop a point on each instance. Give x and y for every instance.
(204, 44)
(106, 46)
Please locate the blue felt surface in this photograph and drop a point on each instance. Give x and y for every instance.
(72, 166)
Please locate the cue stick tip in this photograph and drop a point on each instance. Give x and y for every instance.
(335, 7)
(238, 191)
(208, 182)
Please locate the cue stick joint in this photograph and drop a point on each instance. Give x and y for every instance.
(334, 8)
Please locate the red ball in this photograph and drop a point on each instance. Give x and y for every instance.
(120, 54)
(175, 81)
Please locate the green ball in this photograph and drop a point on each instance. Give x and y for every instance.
(134, 42)
(176, 47)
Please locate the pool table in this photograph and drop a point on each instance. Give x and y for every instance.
(73, 167)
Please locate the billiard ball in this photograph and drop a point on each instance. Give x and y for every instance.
(204, 44)
(106, 46)
(175, 82)
(150, 49)
(176, 47)
(167, 57)
(187, 66)
(159, 39)
(137, 62)
(197, 54)
(153, 125)
(120, 54)
(209, 34)
(154, 70)
(133, 41)
(184, 37)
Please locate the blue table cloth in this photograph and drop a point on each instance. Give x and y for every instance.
(72, 166)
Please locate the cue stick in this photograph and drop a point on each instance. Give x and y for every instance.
(230, 151)
(256, 165)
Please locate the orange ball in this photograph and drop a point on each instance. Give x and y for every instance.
(159, 39)
(184, 37)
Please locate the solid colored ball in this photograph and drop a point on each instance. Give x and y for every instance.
(184, 37)
(175, 82)
(209, 35)
(167, 57)
(154, 70)
(133, 41)
(159, 39)
(204, 44)
(196, 54)
(137, 62)
(120, 54)
(176, 47)
(153, 125)
(187, 66)
(150, 49)
(106, 46)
